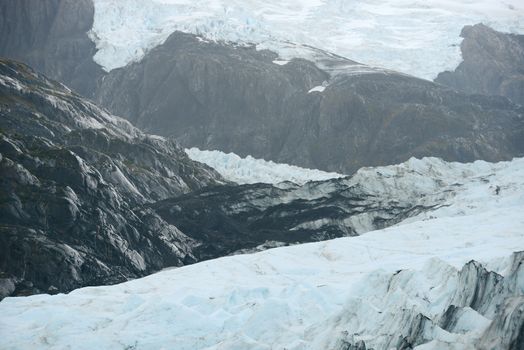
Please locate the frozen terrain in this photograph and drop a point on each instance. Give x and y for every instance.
(415, 37)
(400, 281)
(250, 170)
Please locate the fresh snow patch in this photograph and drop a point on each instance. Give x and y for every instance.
(318, 88)
(280, 62)
(10, 82)
(250, 170)
(418, 37)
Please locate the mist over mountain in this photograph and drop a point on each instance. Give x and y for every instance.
(51, 36)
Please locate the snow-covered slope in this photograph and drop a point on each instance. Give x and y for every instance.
(416, 37)
(409, 284)
(456, 189)
(250, 170)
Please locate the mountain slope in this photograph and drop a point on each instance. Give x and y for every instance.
(88, 199)
(241, 101)
(493, 64)
(410, 286)
(101, 202)
(51, 36)
(72, 176)
(327, 113)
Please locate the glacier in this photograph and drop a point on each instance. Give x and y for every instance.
(415, 37)
(250, 170)
(415, 281)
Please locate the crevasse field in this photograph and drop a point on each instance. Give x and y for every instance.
(416, 37)
(250, 170)
(305, 296)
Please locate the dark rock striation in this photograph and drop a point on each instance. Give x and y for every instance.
(73, 178)
(493, 64)
(234, 219)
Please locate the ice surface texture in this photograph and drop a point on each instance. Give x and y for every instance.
(250, 170)
(413, 282)
(415, 37)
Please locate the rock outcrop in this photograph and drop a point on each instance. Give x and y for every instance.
(493, 64)
(231, 219)
(73, 178)
(238, 219)
(51, 36)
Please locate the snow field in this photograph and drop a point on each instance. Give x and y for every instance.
(416, 37)
(300, 297)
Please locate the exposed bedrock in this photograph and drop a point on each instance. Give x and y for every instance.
(493, 64)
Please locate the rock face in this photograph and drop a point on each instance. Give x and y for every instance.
(213, 95)
(51, 36)
(217, 96)
(493, 64)
(72, 180)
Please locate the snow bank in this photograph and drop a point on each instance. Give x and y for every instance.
(250, 170)
(417, 37)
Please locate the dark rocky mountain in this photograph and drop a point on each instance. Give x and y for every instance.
(493, 64)
(72, 180)
(221, 96)
(51, 36)
(216, 96)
